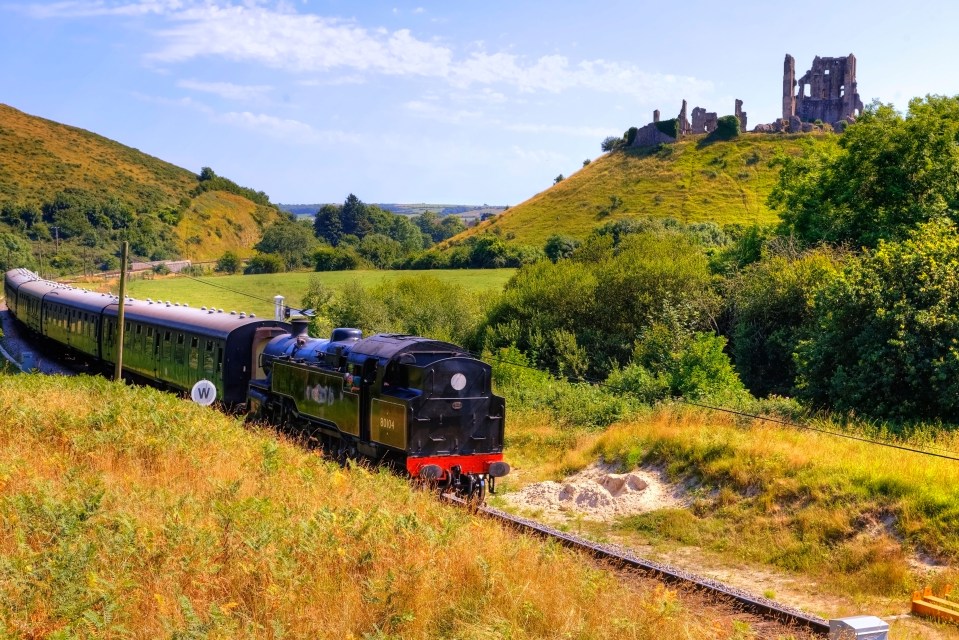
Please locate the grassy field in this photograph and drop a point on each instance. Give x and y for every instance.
(126, 512)
(254, 293)
(723, 182)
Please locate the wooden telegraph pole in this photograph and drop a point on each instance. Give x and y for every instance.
(117, 374)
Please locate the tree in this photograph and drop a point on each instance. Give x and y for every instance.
(558, 179)
(264, 263)
(886, 331)
(771, 307)
(611, 143)
(355, 215)
(889, 174)
(292, 241)
(328, 224)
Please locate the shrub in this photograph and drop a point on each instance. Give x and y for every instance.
(265, 263)
(229, 262)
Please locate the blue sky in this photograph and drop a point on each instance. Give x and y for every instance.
(448, 102)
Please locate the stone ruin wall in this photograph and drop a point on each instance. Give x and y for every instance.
(828, 92)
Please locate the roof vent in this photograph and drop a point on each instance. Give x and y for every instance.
(202, 308)
(219, 310)
(242, 314)
(150, 300)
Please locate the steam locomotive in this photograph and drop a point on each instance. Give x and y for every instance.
(419, 404)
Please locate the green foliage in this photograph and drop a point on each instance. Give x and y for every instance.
(342, 258)
(890, 174)
(209, 181)
(381, 251)
(771, 307)
(586, 162)
(570, 404)
(380, 237)
(727, 128)
(630, 136)
(885, 339)
(558, 179)
(265, 263)
(669, 127)
(425, 306)
(599, 302)
(487, 251)
(559, 247)
(668, 363)
(611, 143)
(292, 241)
(229, 262)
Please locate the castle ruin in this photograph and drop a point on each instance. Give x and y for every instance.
(832, 91)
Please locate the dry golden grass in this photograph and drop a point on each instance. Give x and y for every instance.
(853, 515)
(128, 512)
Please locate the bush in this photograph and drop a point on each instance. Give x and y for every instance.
(265, 263)
(342, 258)
(669, 127)
(727, 128)
(229, 262)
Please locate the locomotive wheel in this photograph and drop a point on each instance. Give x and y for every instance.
(477, 493)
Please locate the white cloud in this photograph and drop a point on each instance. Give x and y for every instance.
(88, 9)
(286, 129)
(275, 35)
(227, 90)
(566, 130)
(439, 113)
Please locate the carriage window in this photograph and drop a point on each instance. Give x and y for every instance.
(139, 329)
(166, 336)
(209, 346)
(179, 338)
(219, 358)
(149, 332)
(126, 327)
(194, 342)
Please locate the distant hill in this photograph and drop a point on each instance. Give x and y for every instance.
(101, 188)
(465, 211)
(722, 182)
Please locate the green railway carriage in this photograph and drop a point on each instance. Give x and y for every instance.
(165, 344)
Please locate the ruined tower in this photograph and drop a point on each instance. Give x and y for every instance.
(789, 85)
(832, 90)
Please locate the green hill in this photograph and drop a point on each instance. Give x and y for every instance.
(88, 187)
(691, 181)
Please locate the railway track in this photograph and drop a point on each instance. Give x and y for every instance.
(620, 557)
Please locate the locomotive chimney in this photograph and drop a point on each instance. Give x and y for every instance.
(300, 326)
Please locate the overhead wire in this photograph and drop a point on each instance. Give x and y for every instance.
(929, 451)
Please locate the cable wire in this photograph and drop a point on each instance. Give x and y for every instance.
(931, 451)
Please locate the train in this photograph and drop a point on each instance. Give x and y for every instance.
(422, 405)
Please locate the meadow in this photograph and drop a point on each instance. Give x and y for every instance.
(127, 512)
(254, 293)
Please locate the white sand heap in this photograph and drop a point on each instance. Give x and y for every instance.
(597, 494)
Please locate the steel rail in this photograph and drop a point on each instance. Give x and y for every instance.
(622, 557)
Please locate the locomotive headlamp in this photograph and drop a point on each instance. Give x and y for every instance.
(458, 381)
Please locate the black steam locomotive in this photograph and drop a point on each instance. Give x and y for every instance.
(420, 404)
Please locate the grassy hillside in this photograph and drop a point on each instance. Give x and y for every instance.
(722, 182)
(129, 512)
(40, 158)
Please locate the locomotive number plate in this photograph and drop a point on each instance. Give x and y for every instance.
(388, 423)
